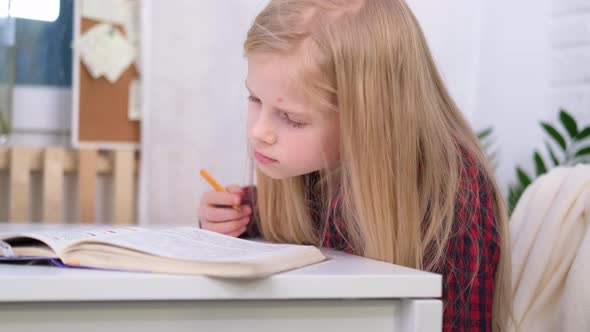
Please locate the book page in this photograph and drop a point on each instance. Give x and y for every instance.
(190, 243)
(59, 237)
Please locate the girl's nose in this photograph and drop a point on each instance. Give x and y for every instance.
(263, 132)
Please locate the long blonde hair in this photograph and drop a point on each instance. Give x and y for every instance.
(402, 137)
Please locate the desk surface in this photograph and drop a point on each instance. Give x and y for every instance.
(342, 276)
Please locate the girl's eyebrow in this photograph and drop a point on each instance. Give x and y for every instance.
(290, 111)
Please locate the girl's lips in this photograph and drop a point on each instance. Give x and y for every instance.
(263, 159)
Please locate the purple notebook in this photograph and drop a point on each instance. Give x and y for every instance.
(32, 260)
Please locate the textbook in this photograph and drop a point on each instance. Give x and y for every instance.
(175, 250)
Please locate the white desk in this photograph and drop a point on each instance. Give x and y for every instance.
(346, 293)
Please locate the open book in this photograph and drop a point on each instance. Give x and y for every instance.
(179, 250)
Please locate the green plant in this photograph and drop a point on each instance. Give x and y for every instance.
(487, 142)
(4, 128)
(574, 148)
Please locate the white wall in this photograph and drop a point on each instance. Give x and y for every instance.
(514, 77)
(453, 31)
(535, 58)
(570, 57)
(194, 84)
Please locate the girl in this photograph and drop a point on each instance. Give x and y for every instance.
(359, 147)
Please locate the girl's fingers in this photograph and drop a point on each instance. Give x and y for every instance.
(216, 214)
(238, 232)
(244, 220)
(228, 227)
(235, 189)
(220, 198)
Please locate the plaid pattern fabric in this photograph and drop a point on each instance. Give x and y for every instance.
(473, 253)
(249, 198)
(334, 233)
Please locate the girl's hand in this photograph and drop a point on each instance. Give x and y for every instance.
(217, 214)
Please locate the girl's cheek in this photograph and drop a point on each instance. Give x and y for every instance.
(251, 119)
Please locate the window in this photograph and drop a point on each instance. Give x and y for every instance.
(40, 10)
(36, 64)
(42, 35)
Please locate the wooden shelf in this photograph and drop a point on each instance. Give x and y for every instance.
(53, 163)
(70, 160)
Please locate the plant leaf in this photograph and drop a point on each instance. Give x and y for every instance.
(569, 123)
(524, 178)
(552, 154)
(512, 199)
(539, 164)
(484, 133)
(584, 133)
(555, 135)
(583, 152)
(493, 156)
(3, 123)
(514, 194)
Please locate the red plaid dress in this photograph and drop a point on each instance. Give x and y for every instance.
(473, 253)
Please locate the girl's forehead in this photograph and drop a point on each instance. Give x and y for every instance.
(290, 79)
(275, 75)
(278, 67)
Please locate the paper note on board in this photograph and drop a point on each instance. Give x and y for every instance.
(105, 52)
(113, 11)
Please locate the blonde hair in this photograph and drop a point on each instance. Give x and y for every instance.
(402, 138)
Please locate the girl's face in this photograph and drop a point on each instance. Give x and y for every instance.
(287, 135)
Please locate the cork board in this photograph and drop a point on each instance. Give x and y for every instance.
(101, 108)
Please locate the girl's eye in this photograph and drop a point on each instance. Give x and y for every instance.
(294, 124)
(284, 115)
(253, 99)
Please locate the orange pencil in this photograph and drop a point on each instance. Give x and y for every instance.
(215, 185)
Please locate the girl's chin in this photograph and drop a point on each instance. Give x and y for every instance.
(276, 174)
(273, 173)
